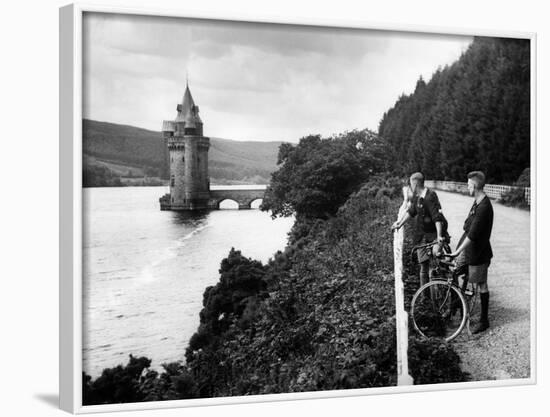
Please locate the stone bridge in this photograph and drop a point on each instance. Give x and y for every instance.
(242, 196)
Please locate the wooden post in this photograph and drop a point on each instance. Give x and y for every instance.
(401, 317)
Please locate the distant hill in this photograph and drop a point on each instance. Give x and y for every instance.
(127, 152)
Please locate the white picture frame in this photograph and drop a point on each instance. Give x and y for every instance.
(70, 206)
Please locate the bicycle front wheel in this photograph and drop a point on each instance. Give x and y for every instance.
(439, 310)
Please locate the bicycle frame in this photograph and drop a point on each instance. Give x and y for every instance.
(448, 273)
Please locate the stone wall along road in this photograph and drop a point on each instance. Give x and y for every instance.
(502, 352)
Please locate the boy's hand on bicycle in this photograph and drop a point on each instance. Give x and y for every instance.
(442, 254)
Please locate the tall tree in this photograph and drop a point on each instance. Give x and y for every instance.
(317, 176)
(474, 114)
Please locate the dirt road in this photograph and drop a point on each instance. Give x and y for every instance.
(504, 351)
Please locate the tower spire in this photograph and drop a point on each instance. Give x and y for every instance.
(187, 104)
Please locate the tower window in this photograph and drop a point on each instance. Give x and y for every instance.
(183, 158)
(172, 181)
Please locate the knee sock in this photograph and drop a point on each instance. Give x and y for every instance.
(424, 277)
(424, 273)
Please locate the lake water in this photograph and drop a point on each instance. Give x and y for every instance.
(145, 270)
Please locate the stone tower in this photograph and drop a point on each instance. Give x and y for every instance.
(188, 158)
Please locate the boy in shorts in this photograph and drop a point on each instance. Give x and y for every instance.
(430, 225)
(474, 248)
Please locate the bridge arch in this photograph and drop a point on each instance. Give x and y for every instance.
(255, 203)
(228, 204)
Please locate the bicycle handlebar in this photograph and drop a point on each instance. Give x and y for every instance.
(426, 245)
(429, 245)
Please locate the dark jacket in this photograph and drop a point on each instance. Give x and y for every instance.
(427, 211)
(478, 227)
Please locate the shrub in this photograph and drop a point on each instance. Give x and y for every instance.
(241, 283)
(317, 176)
(116, 385)
(514, 197)
(524, 180)
(433, 362)
(99, 176)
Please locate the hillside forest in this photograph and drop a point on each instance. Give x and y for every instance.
(474, 114)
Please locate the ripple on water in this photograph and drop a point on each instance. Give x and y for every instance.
(146, 271)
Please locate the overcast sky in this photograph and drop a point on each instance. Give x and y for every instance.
(252, 81)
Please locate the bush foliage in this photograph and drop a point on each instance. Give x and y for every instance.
(516, 196)
(316, 176)
(99, 176)
(320, 315)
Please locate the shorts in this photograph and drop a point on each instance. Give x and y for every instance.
(477, 274)
(424, 254)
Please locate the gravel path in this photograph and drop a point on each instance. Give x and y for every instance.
(502, 352)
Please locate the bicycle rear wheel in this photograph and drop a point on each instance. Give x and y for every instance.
(439, 310)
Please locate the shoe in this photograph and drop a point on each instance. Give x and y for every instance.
(481, 327)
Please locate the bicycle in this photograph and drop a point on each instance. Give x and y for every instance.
(442, 307)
